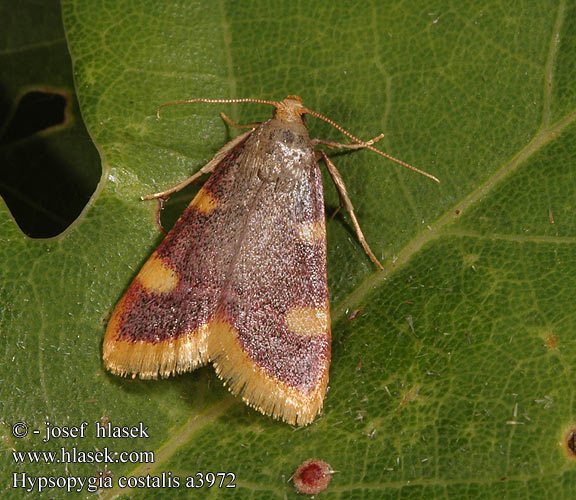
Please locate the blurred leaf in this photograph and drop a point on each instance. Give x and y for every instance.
(455, 380)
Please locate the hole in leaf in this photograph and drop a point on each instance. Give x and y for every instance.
(49, 166)
(36, 111)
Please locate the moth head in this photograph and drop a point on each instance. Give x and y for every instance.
(290, 109)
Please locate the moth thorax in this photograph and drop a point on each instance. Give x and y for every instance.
(279, 154)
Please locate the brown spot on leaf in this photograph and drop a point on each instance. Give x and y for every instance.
(354, 314)
(571, 443)
(550, 341)
(409, 396)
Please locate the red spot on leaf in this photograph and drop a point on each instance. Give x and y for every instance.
(313, 476)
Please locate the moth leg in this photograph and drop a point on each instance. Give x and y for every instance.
(337, 210)
(332, 144)
(159, 213)
(206, 169)
(339, 182)
(318, 155)
(232, 123)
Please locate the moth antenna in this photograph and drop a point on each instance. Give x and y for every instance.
(367, 146)
(215, 101)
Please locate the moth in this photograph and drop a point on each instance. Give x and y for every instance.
(240, 280)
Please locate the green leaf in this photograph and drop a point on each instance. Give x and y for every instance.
(455, 379)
